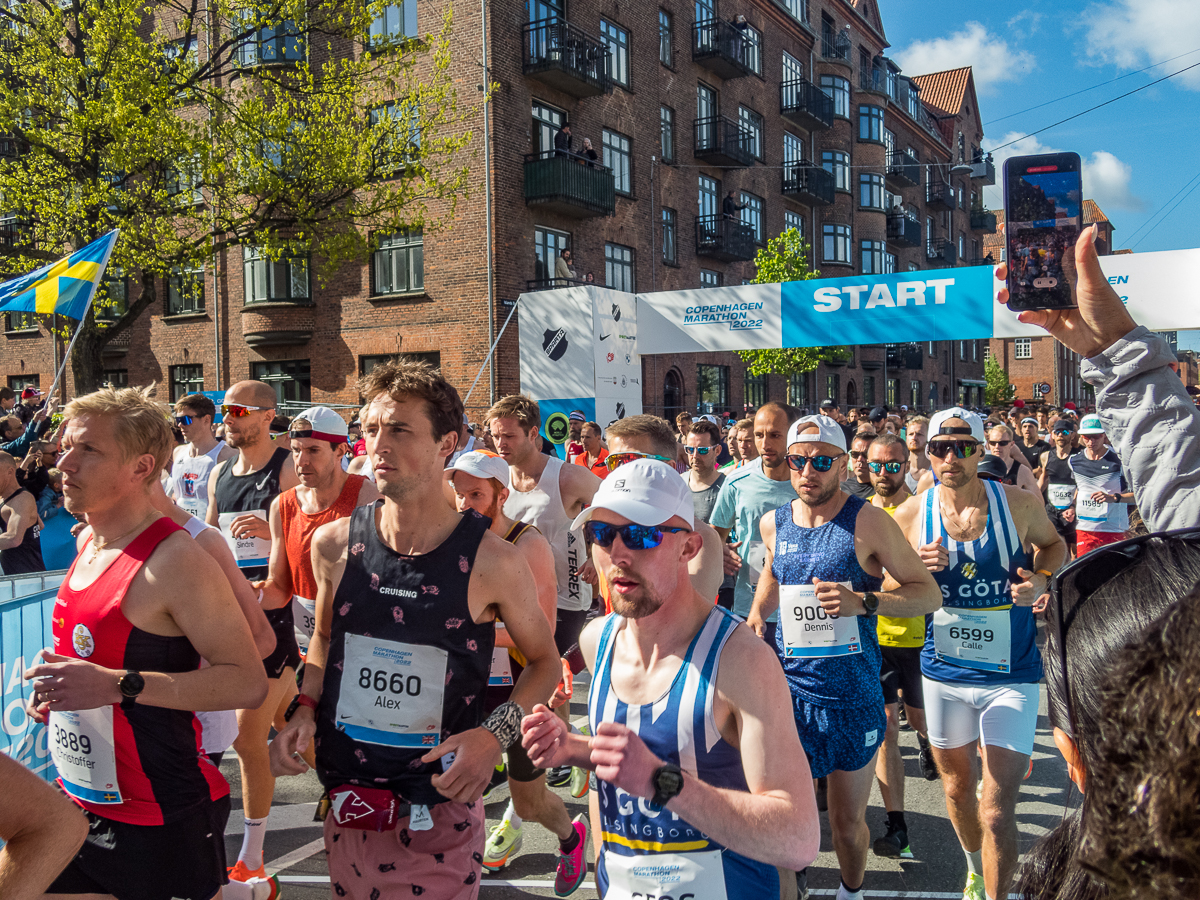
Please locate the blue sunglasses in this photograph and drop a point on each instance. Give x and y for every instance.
(635, 537)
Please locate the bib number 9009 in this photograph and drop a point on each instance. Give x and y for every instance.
(72, 741)
(985, 635)
(394, 682)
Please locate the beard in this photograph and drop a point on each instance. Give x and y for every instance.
(886, 489)
(639, 604)
(823, 497)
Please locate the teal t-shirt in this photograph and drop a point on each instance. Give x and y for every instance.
(747, 496)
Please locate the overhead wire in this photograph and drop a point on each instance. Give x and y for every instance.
(1165, 216)
(1156, 214)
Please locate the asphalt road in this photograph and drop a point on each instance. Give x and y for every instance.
(294, 849)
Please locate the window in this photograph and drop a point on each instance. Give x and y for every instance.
(282, 156)
(548, 245)
(618, 159)
(889, 263)
(666, 39)
(1023, 348)
(839, 89)
(868, 391)
(616, 42)
(183, 182)
(290, 378)
(115, 378)
(711, 279)
(932, 349)
(669, 246)
(798, 390)
(709, 190)
(618, 267)
(20, 321)
(793, 149)
(793, 70)
(399, 263)
(833, 388)
(870, 123)
(185, 291)
(116, 292)
(396, 23)
(974, 351)
(962, 350)
(960, 246)
(753, 123)
(712, 388)
(546, 122)
(1037, 391)
(793, 220)
(186, 380)
(836, 240)
(893, 390)
(870, 191)
(752, 49)
(397, 140)
(872, 257)
(666, 125)
(274, 42)
(752, 215)
(756, 389)
(914, 395)
(19, 382)
(432, 358)
(838, 165)
(265, 279)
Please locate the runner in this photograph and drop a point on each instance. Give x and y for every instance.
(683, 815)
(1032, 445)
(20, 542)
(741, 435)
(1058, 480)
(192, 463)
(575, 422)
(1103, 496)
(240, 492)
(593, 453)
(141, 604)
(826, 555)
(991, 549)
(706, 481)
(480, 482)
(408, 591)
(858, 483)
(915, 435)
(1018, 470)
(900, 643)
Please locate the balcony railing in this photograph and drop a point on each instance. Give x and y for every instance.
(726, 239)
(804, 103)
(905, 356)
(984, 170)
(903, 169)
(723, 142)
(943, 252)
(982, 220)
(565, 57)
(722, 48)
(807, 182)
(836, 47)
(875, 79)
(988, 260)
(940, 195)
(553, 284)
(569, 184)
(903, 231)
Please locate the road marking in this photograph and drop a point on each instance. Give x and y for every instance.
(298, 855)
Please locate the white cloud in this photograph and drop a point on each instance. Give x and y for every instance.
(1028, 15)
(1135, 33)
(991, 57)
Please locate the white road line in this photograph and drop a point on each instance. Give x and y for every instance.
(298, 855)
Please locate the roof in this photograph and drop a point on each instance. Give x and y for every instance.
(1093, 213)
(945, 91)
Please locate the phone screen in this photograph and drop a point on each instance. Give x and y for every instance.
(1043, 219)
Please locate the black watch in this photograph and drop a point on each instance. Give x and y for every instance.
(130, 685)
(667, 782)
(870, 603)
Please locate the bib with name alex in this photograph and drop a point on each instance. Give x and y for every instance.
(979, 636)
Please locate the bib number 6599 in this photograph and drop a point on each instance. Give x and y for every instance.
(396, 684)
(971, 634)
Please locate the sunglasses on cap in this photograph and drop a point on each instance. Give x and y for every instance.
(236, 410)
(613, 460)
(890, 467)
(703, 451)
(635, 537)
(185, 420)
(961, 449)
(796, 462)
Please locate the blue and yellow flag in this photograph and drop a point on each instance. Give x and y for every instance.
(65, 287)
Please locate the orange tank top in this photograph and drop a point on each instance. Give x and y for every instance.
(299, 527)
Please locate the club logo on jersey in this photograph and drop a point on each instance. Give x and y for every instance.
(969, 570)
(189, 484)
(83, 642)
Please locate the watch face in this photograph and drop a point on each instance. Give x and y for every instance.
(131, 684)
(669, 782)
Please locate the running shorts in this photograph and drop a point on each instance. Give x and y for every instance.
(1086, 541)
(287, 651)
(838, 740)
(901, 672)
(1004, 715)
(567, 627)
(520, 766)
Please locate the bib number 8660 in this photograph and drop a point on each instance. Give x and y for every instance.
(396, 684)
(971, 634)
(69, 740)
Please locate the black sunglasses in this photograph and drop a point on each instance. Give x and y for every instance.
(999, 443)
(942, 449)
(890, 467)
(635, 537)
(820, 463)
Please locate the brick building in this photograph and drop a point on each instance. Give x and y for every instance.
(793, 106)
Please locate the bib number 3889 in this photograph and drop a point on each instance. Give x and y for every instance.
(81, 744)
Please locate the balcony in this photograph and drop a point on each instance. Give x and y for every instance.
(805, 104)
(566, 58)
(941, 253)
(939, 195)
(835, 48)
(984, 170)
(555, 284)
(903, 170)
(905, 356)
(903, 231)
(808, 183)
(982, 220)
(988, 260)
(875, 80)
(569, 185)
(277, 324)
(724, 239)
(721, 48)
(723, 142)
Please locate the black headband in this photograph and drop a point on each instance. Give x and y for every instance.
(954, 429)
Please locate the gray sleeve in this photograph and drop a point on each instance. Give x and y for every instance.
(1152, 424)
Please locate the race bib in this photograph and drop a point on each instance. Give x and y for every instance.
(1061, 495)
(696, 876)
(251, 551)
(391, 693)
(1089, 511)
(81, 744)
(756, 560)
(193, 505)
(304, 612)
(501, 673)
(809, 631)
(975, 638)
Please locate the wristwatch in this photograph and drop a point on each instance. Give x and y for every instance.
(870, 603)
(298, 701)
(131, 684)
(667, 782)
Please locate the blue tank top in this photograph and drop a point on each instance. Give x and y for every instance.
(978, 579)
(678, 727)
(827, 552)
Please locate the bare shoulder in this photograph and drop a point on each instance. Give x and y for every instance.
(179, 553)
(589, 640)
(906, 513)
(331, 539)
(1022, 502)
(368, 493)
(532, 542)
(495, 551)
(579, 482)
(227, 452)
(746, 663)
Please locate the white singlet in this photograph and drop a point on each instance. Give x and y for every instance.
(188, 484)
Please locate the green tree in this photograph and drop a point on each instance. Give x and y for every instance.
(785, 258)
(998, 390)
(299, 127)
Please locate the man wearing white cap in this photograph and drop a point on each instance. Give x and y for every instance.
(826, 555)
(1102, 495)
(703, 790)
(992, 550)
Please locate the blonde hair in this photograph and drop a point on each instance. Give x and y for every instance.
(517, 406)
(139, 423)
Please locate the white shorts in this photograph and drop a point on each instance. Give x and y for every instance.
(1004, 714)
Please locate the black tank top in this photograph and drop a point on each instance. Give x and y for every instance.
(243, 493)
(420, 601)
(1010, 477)
(27, 555)
(1057, 470)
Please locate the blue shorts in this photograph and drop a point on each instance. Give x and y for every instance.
(838, 740)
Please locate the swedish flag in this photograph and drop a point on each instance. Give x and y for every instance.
(65, 287)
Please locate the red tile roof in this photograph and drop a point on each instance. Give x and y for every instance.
(945, 91)
(1092, 213)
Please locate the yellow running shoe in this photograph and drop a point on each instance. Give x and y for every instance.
(974, 889)
(579, 782)
(502, 845)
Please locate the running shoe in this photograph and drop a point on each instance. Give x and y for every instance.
(928, 766)
(262, 886)
(499, 778)
(822, 795)
(572, 867)
(1028, 771)
(502, 845)
(559, 776)
(974, 889)
(579, 782)
(894, 844)
(802, 884)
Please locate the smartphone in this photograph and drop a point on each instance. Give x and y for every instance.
(1043, 216)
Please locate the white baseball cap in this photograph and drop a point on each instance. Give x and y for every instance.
(956, 412)
(1091, 425)
(320, 423)
(828, 432)
(645, 491)
(482, 464)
